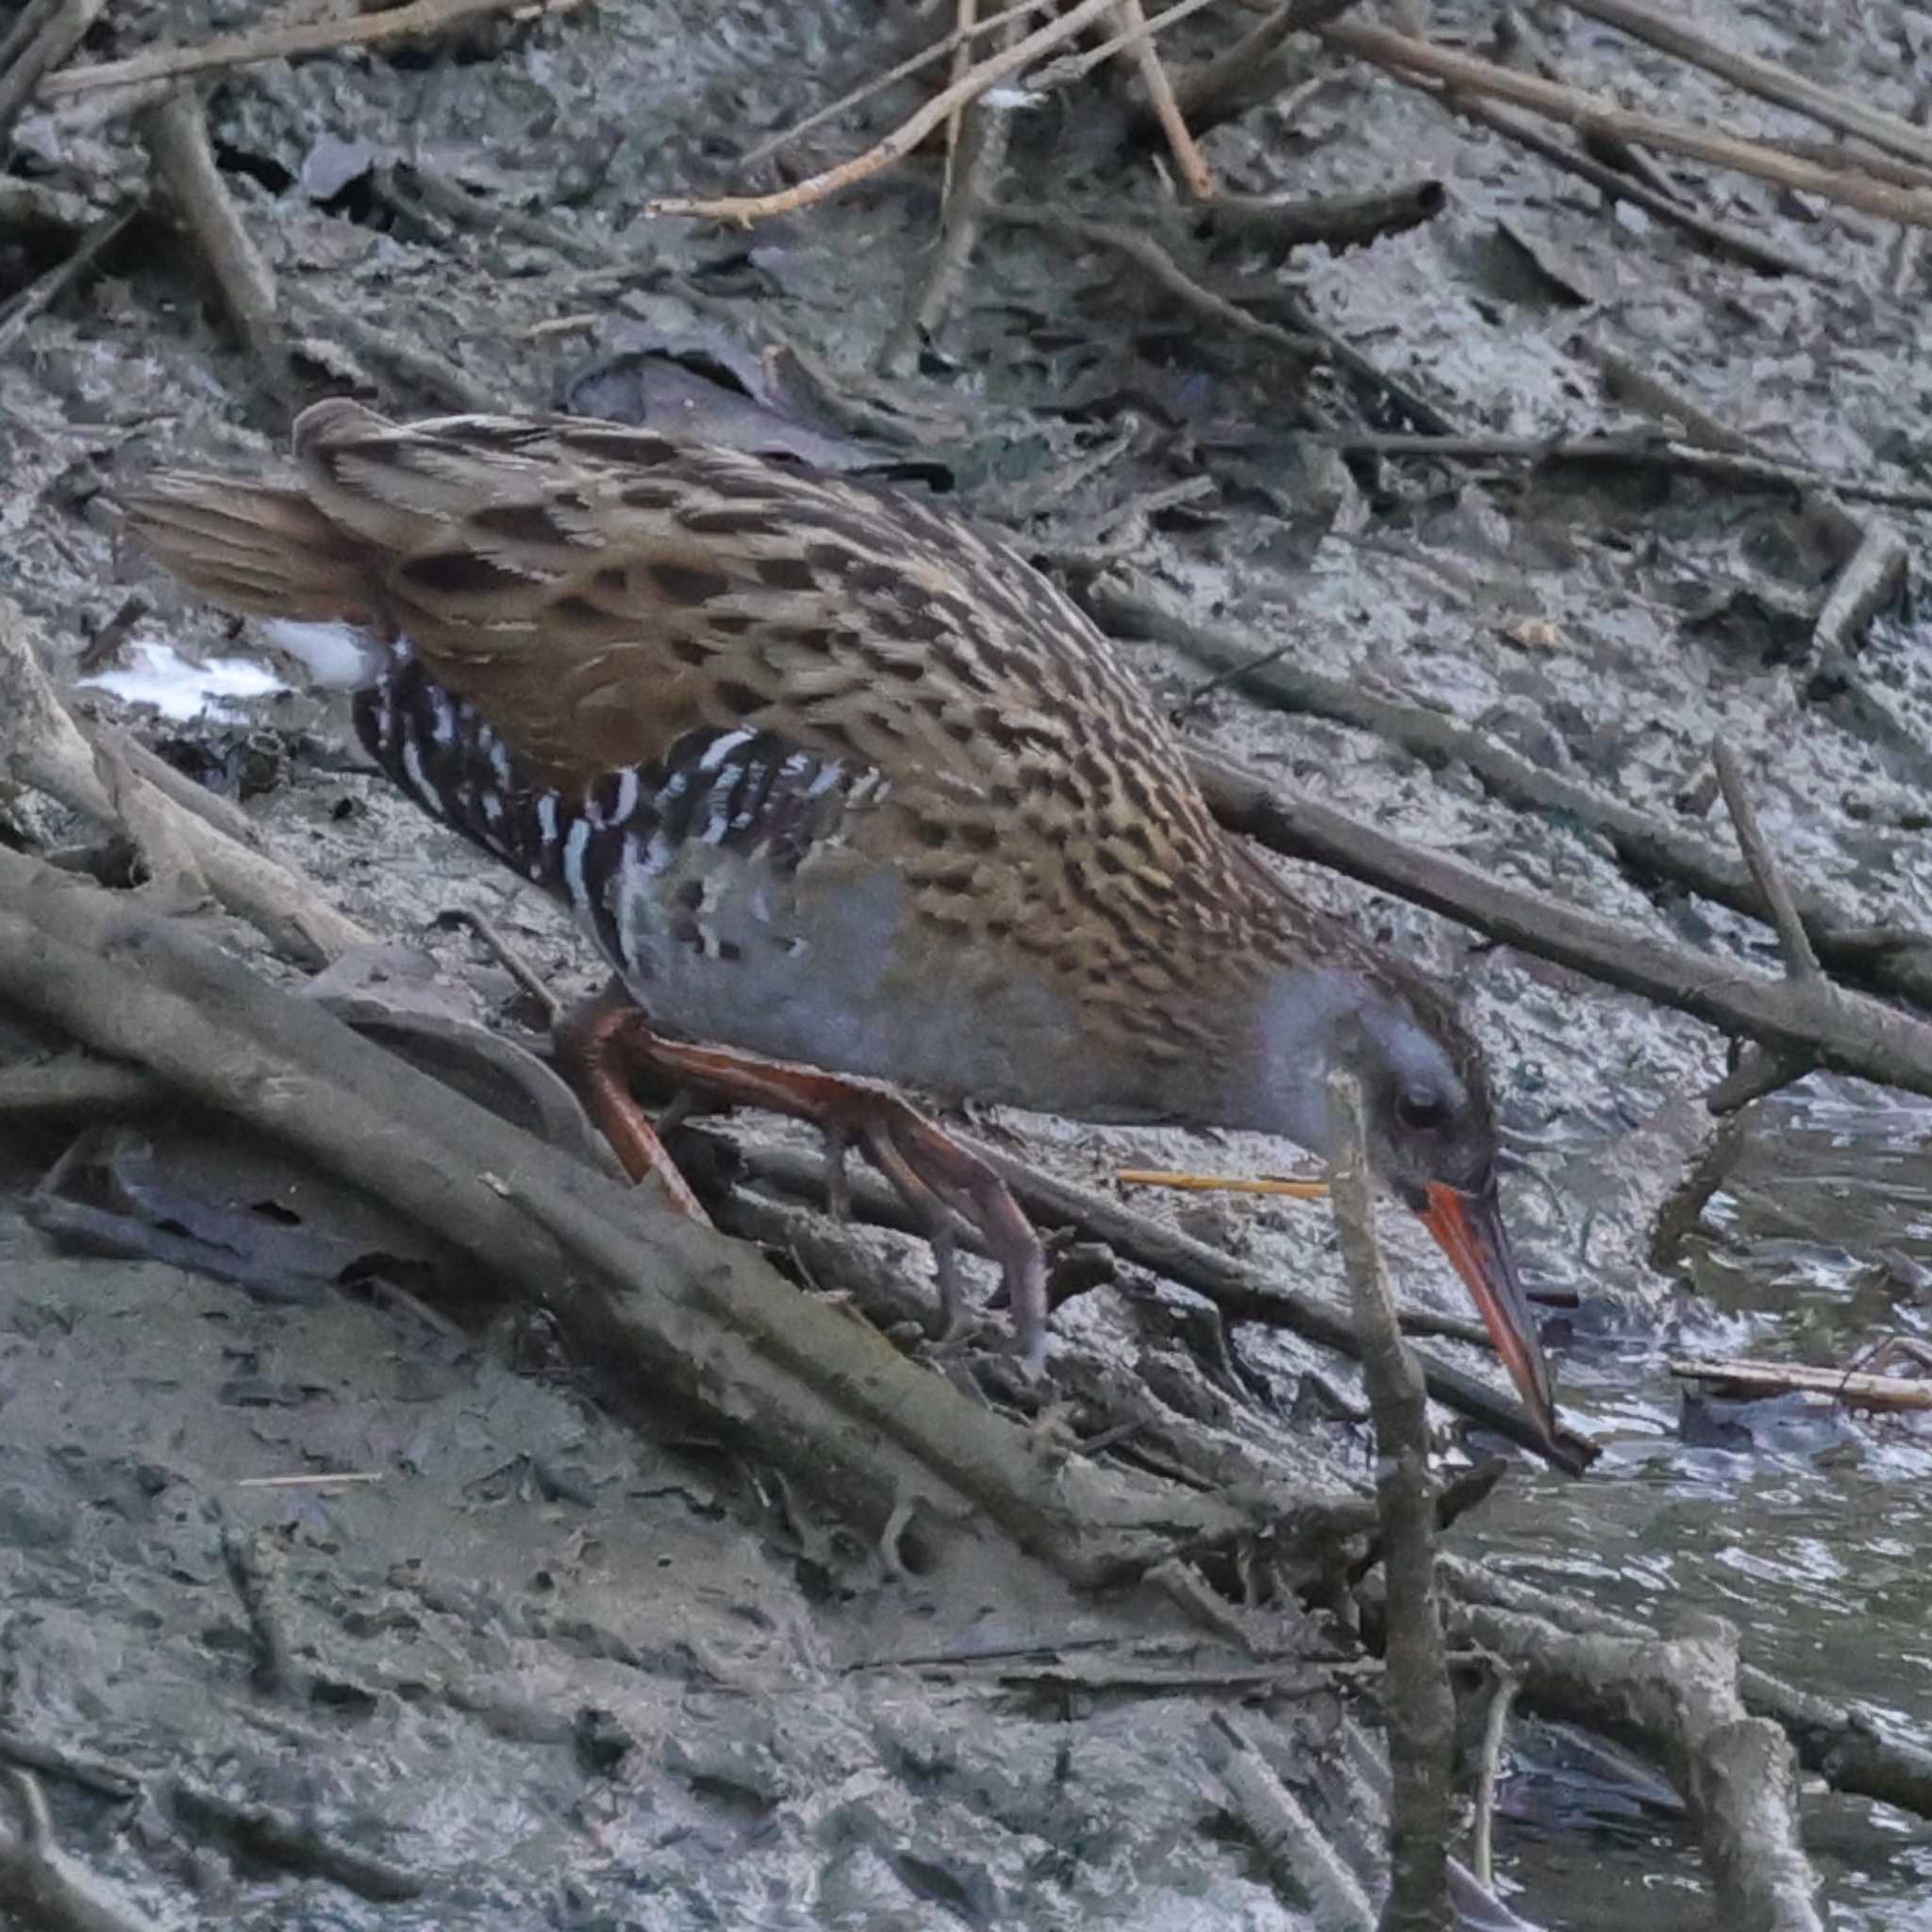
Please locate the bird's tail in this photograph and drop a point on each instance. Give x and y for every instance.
(252, 547)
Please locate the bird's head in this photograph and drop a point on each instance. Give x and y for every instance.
(1431, 1130)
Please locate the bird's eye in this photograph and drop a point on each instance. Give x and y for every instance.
(1421, 1107)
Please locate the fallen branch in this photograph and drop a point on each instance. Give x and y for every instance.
(1747, 1380)
(174, 133)
(1195, 175)
(288, 43)
(1846, 1031)
(1305, 1864)
(660, 1304)
(296, 1845)
(1724, 238)
(1246, 73)
(1679, 1698)
(1595, 116)
(1419, 1706)
(1835, 1742)
(1280, 222)
(41, 745)
(1895, 961)
(1764, 78)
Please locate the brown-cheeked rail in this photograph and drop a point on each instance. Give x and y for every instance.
(847, 793)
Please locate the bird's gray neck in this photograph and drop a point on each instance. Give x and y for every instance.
(1277, 1081)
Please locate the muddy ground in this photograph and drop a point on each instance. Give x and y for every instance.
(565, 1673)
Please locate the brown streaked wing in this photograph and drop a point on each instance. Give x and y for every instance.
(597, 590)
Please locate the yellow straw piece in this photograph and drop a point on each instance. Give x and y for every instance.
(1214, 1183)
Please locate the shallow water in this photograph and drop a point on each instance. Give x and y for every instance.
(1804, 1524)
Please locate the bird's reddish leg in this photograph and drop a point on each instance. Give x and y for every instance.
(593, 1048)
(933, 1174)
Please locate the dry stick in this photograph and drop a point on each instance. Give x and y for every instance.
(657, 1302)
(1680, 1696)
(26, 63)
(1196, 172)
(1761, 1071)
(1765, 78)
(27, 25)
(1801, 962)
(1853, 1387)
(40, 746)
(1838, 1743)
(1638, 839)
(1240, 1291)
(1337, 220)
(1419, 1705)
(948, 43)
(975, 158)
(1909, 246)
(1307, 1865)
(287, 44)
(903, 139)
(1594, 115)
(36, 300)
(1496, 1728)
(1848, 1032)
(175, 135)
(1870, 579)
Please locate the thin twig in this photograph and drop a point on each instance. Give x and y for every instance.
(1496, 1728)
(1197, 176)
(975, 161)
(1857, 1388)
(288, 43)
(40, 746)
(949, 43)
(1072, 67)
(746, 209)
(1594, 115)
(1764, 78)
(1801, 962)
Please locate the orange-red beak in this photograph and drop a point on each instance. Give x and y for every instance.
(1469, 1231)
